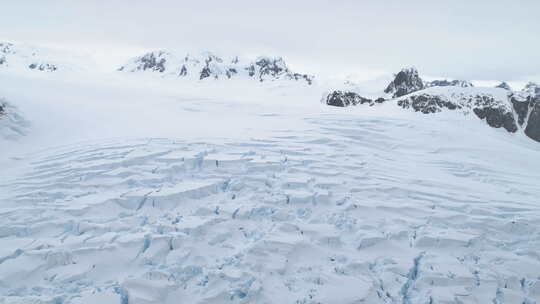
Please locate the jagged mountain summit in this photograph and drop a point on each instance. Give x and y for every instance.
(499, 107)
(408, 81)
(210, 66)
(405, 82)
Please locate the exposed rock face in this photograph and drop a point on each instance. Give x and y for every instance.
(345, 99)
(533, 124)
(527, 109)
(447, 83)
(271, 67)
(496, 118)
(405, 82)
(484, 107)
(210, 66)
(521, 107)
(497, 112)
(504, 85)
(426, 103)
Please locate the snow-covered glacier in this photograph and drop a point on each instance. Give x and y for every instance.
(158, 191)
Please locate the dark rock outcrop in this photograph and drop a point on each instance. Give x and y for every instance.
(496, 118)
(533, 124)
(345, 99)
(210, 69)
(183, 71)
(527, 110)
(231, 72)
(270, 67)
(447, 83)
(427, 103)
(306, 77)
(485, 107)
(274, 68)
(521, 107)
(504, 85)
(45, 67)
(405, 82)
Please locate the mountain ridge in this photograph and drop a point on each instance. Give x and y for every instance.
(499, 107)
(208, 65)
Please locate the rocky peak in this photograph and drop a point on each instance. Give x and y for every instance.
(405, 82)
(270, 66)
(504, 85)
(154, 61)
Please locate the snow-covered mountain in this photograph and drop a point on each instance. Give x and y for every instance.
(447, 83)
(210, 66)
(498, 107)
(27, 58)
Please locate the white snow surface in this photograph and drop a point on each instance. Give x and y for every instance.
(137, 190)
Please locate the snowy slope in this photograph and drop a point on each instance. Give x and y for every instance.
(133, 190)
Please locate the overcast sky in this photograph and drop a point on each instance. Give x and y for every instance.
(481, 40)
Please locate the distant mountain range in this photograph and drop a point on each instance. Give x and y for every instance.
(209, 66)
(499, 107)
